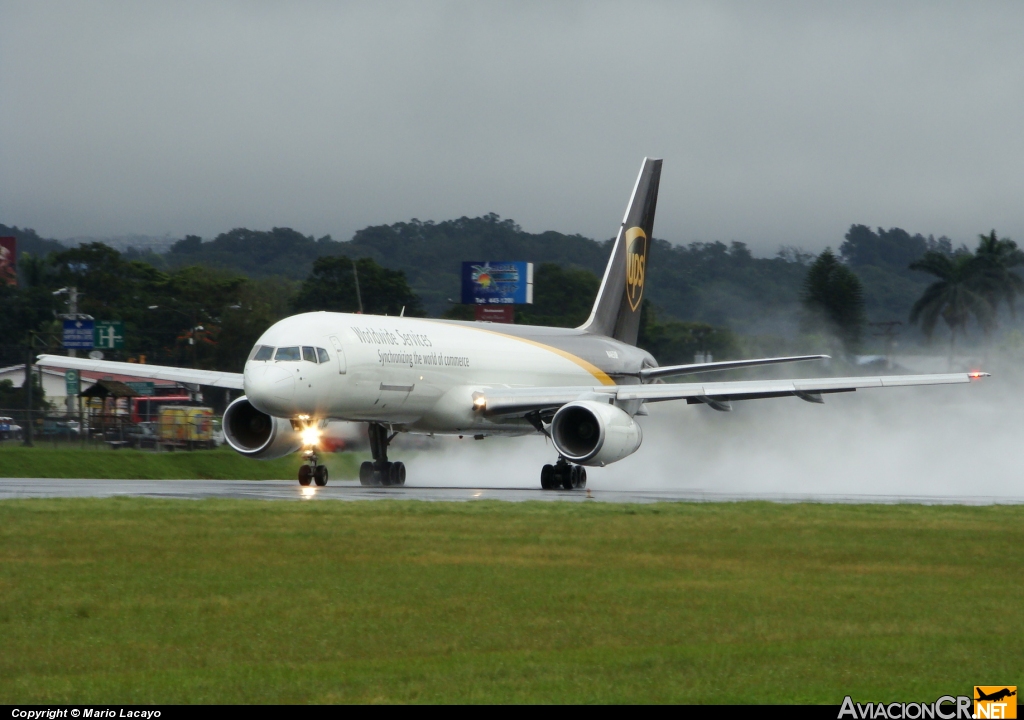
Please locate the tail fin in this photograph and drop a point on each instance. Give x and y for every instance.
(616, 311)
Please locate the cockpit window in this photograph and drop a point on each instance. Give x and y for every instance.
(309, 354)
(287, 353)
(263, 352)
(324, 357)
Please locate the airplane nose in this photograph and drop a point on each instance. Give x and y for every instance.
(279, 382)
(271, 389)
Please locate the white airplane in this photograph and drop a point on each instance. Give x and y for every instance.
(581, 387)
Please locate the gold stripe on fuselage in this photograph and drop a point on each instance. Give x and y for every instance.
(594, 370)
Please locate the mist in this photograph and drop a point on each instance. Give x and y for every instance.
(946, 443)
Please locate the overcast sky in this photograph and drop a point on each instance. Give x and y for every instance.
(779, 123)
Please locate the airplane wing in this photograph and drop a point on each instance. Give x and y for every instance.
(673, 370)
(146, 372)
(519, 401)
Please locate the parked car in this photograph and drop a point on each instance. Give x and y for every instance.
(146, 434)
(218, 432)
(9, 430)
(64, 429)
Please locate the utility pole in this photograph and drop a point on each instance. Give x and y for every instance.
(73, 311)
(72, 352)
(359, 295)
(888, 330)
(28, 393)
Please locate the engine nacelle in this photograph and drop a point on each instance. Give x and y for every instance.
(257, 435)
(594, 433)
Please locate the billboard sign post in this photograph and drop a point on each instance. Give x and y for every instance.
(495, 313)
(78, 334)
(497, 283)
(8, 261)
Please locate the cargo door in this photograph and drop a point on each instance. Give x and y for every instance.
(340, 353)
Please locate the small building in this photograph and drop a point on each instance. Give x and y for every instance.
(51, 380)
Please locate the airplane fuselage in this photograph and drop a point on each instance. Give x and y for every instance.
(420, 374)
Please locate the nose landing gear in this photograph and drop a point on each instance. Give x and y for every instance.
(563, 474)
(311, 471)
(381, 471)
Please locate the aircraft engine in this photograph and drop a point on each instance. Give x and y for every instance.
(256, 434)
(594, 433)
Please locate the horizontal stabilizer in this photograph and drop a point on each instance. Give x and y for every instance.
(144, 371)
(675, 370)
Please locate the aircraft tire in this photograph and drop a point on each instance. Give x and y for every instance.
(398, 474)
(567, 475)
(305, 475)
(320, 475)
(385, 475)
(547, 477)
(366, 473)
(583, 478)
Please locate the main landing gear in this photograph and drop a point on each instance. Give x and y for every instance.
(311, 471)
(381, 471)
(563, 474)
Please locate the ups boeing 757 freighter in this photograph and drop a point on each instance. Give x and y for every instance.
(581, 387)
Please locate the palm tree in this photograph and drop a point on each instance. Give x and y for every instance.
(954, 297)
(996, 280)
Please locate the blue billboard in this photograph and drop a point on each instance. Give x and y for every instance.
(497, 283)
(78, 334)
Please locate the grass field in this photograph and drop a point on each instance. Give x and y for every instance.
(63, 461)
(134, 600)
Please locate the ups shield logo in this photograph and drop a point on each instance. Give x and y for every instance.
(636, 265)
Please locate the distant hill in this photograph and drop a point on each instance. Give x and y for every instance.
(724, 285)
(121, 243)
(430, 254)
(710, 282)
(29, 241)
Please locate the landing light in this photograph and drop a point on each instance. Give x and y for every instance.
(977, 374)
(479, 402)
(310, 436)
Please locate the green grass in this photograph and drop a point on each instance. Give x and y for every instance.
(149, 601)
(63, 461)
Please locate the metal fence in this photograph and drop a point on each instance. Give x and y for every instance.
(114, 430)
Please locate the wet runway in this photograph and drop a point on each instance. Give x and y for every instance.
(11, 488)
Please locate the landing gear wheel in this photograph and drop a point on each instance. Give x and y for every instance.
(547, 477)
(583, 478)
(366, 473)
(397, 474)
(320, 475)
(569, 476)
(385, 475)
(305, 475)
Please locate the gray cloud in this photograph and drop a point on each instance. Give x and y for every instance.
(779, 122)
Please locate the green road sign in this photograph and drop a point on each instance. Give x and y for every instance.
(108, 335)
(142, 388)
(71, 382)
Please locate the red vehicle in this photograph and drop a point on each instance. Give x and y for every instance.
(146, 408)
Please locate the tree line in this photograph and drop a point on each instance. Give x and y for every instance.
(968, 284)
(205, 303)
